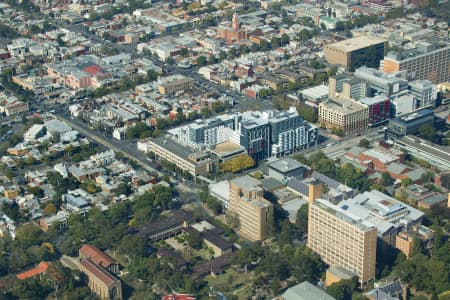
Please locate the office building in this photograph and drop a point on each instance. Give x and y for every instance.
(346, 114)
(381, 83)
(347, 86)
(192, 162)
(410, 124)
(356, 52)
(255, 214)
(379, 109)
(221, 191)
(428, 61)
(342, 239)
(424, 93)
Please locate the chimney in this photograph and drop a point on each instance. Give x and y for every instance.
(315, 191)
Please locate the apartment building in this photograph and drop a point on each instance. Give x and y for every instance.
(290, 132)
(356, 52)
(261, 133)
(425, 61)
(342, 239)
(174, 83)
(346, 114)
(254, 212)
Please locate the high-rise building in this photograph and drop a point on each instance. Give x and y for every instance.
(381, 83)
(254, 136)
(254, 212)
(356, 52)
(262, 134)
(379, 109)
(425, 61)
(203, 132)
(424, 93)
(290, 132)
(347, 86)
(342, 239)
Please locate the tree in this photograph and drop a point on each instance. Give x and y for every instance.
(123, 189)
(152, 75)
(184, 52)
(243, 49)
(50, 209)
(254, 47)
(263, 93)
(264, 45)
(342, 290)
(304, 35)
(406, 182)
(194, 239)
(417, 247)
(275, 42)
(238, 163)
(284, 39)
(222, 55)
(133, 246)
(364, 143)
(386, 179)
(302, 220)
(337, 131)
(429, 133)
(28, 235)
(212, 60)
(201, 61)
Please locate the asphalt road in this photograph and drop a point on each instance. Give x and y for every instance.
(110, 143)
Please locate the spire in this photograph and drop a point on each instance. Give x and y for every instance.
(235, 22)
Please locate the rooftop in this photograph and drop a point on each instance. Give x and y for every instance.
(41, 268)
(98, 272)
(96, 256)
(356, 43)
(227, 148)
(174, 219)
(286, 165)
(428, 148)
(305, 291)
(174, 147)
(343, 105)
(345, 215)
(246, 182)
(381, 210)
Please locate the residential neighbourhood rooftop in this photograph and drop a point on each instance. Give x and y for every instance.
(176, 149)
